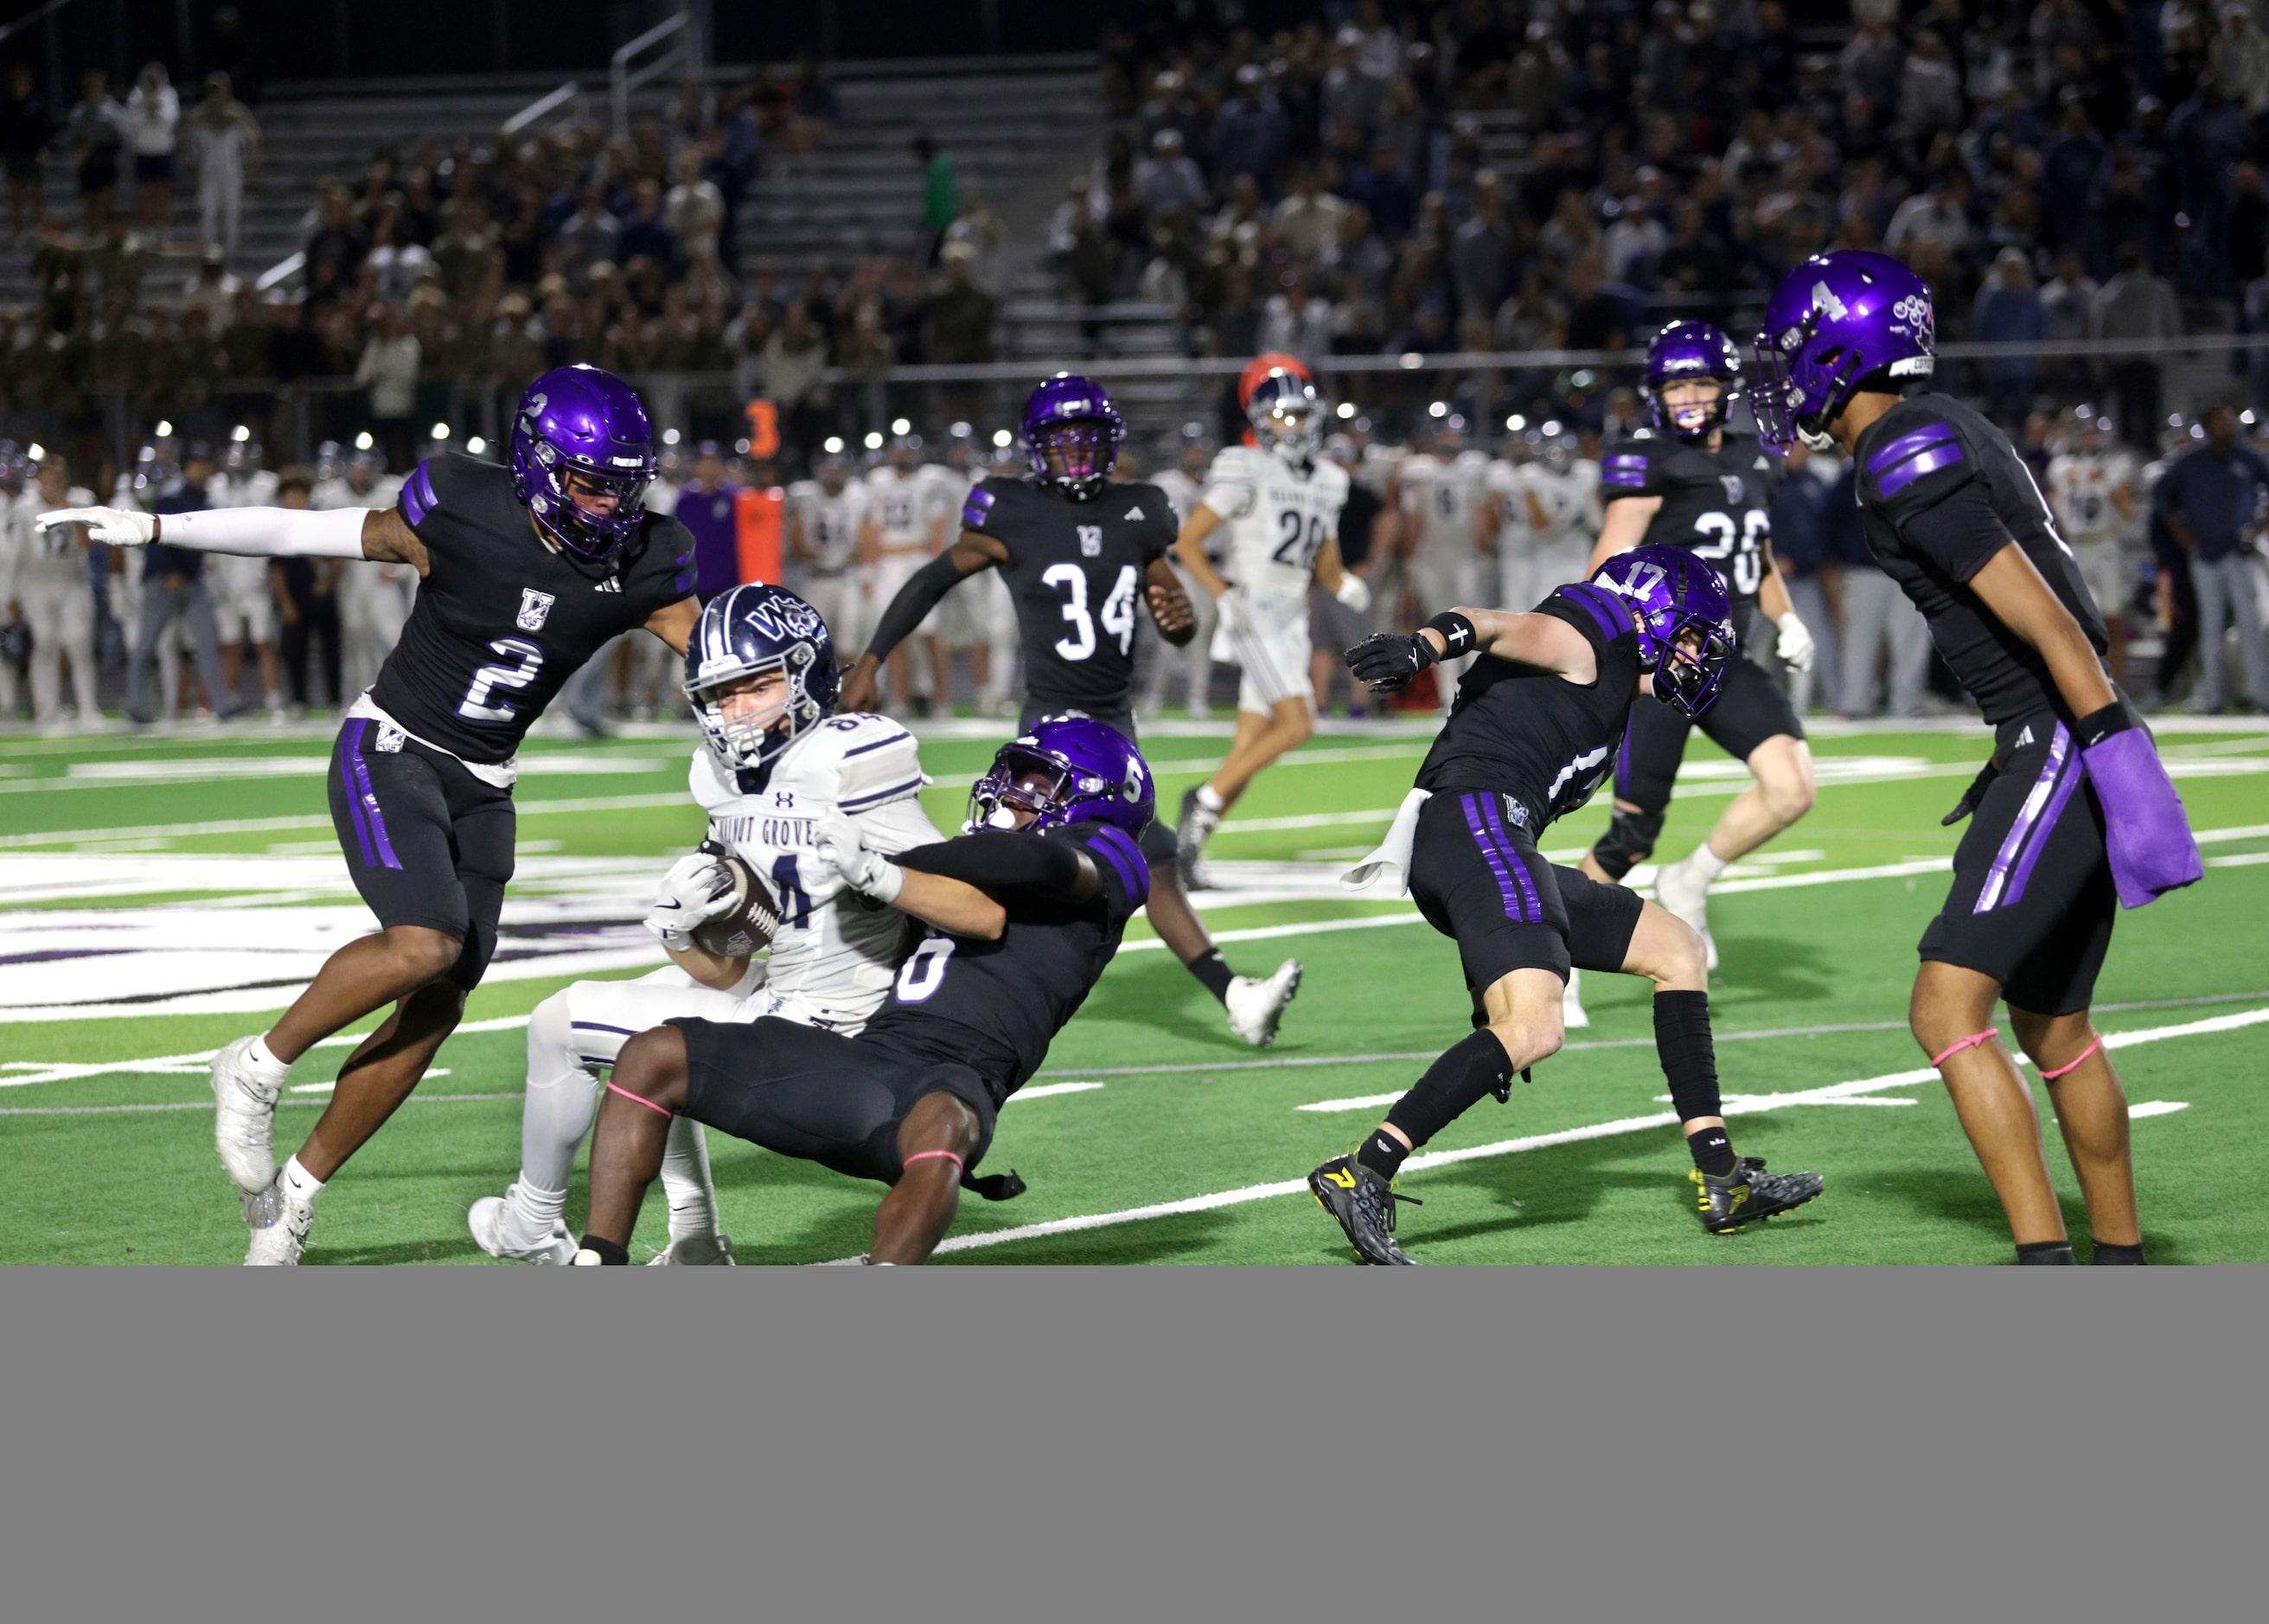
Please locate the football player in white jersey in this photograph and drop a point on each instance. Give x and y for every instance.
(1184, 484)
(375, 599)
(901, 531)
(1280, 504)
(1559, 492)
(244, 597)
(784, 783)
(976, 618)
(2092, 490)
(823, 516)
(44, 574)
(1449, 527)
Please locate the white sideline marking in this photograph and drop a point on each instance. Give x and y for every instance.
(1054, 1087)
(2157, 1108)
(1857, 1087)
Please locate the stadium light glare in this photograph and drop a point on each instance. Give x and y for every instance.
(1516, 422)
(38, 453)
(740, 447)
(959, 430)
(1439, 409)
(239, 434)
(440, 430)
(1003, 439)
(900, 426)
(669, 437)
(363, 441)
(833, 444)
(475, 446)
(1346, 410)
(165, 430)
(1411, 361)
(1553, 426)
(874, 441)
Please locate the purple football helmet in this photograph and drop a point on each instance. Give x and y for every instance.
(1690, 350)
(581, 421)
(1675, 593)
(1098, 777)
(1072, 433)
(1835, 320)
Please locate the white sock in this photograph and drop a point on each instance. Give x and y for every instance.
(686, 1181)
(545, 1209)
(264, 1065)
(1706, 863)
(1210, 798)
(300, 1185)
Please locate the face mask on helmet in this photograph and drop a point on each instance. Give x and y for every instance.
(1684, 621)
(1071, 435)
(1287, 419)
(1019, 781)
(1068, 770)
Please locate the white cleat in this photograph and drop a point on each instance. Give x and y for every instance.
(1256, 1006)
(1572, 1003)
(280, 1228)
(1678, 890)
(244, 1124)
(713, 1249)
(502, 1230)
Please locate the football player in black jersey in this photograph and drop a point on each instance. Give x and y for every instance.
(1045, 882)
(2073, 816)
(1079, 553)
(1537, 718)
(1694, 483)
(524, 572)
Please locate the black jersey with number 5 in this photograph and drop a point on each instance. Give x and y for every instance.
(1715, 504)
(502, 621)
(1076, 570)
(995, 1006)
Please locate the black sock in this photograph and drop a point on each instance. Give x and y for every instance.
(2044, 1251)
(1713, 1152)
(2108, 1253)
(1212, 970)
(608, 1252)
(1382, 1153)
(1689, 1058)
(1453, 1084)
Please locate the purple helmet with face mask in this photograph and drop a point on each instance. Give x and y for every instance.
(578, 420)
(1072, 433)
(1675, 594)
(1835, 321)
(1096, 775)
(1686, 349)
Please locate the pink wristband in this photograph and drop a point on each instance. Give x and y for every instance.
(648, 1104)
(2073, 1065)
(1971, 1042)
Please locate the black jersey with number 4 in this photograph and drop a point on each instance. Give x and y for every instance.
(1715, 504)
(1941, 490)
(995, 1006)
(1076, 570)
(1532, 735)
(502, 621)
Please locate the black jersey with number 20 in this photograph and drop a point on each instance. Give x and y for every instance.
(1076, 570)
(1715, 504)
(502, 621)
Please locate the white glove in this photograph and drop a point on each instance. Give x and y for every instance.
(119, 527)
(1795, 647)
(869, 872)
(697, 888)
(1236, 612)
(1355, 592)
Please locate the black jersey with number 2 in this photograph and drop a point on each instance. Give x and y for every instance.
(1715, 504)
(995, 1006)
(1076, 570)
(502, 621)
(1532, 735)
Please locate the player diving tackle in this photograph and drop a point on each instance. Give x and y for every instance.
(1028, 907)
(525, 571)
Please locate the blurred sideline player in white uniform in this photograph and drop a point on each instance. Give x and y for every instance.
(375, 599)
(976, 616)
(900, 532)
(1556, 494)
(44, 574)
(1184, 484)
(1450, 526)
(1281, 506)
(244, 598)
(784, 783)
(2092, 490)
(823, 516)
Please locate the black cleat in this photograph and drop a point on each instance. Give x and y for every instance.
(1193, 828)
(1365, 1205)
(1749, 1193)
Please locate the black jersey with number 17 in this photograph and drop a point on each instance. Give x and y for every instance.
(1715, 504)
(502, 620)
(1074, 570)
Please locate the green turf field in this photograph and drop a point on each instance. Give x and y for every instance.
(136, 874)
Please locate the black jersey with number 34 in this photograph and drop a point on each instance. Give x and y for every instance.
(502, 621)
(1715, 504)
(1076, 570)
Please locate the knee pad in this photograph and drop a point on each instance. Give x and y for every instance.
(1629, 841)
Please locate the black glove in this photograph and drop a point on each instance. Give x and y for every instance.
(1971, 797)
(1385, 662)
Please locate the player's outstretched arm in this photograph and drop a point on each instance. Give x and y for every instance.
(674, 623)
(1386, 660)
(256, 532)
(1627, 522)
(923, 590)
(953, 905)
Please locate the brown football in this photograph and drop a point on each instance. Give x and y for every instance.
(747, 925)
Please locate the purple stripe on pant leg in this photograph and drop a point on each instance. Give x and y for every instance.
(354, 802)
(2073, 773)
(1504, 886)
(2036, 799)
(370, 799)
(1511, 856)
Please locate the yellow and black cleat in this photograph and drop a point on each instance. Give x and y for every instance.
(1365, 1205)
(1749, 1194)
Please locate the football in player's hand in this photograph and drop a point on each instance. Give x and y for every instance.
(747, 925)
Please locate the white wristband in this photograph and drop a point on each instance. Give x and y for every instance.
(268, 532)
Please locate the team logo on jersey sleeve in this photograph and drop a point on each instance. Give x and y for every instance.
(535, 609)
